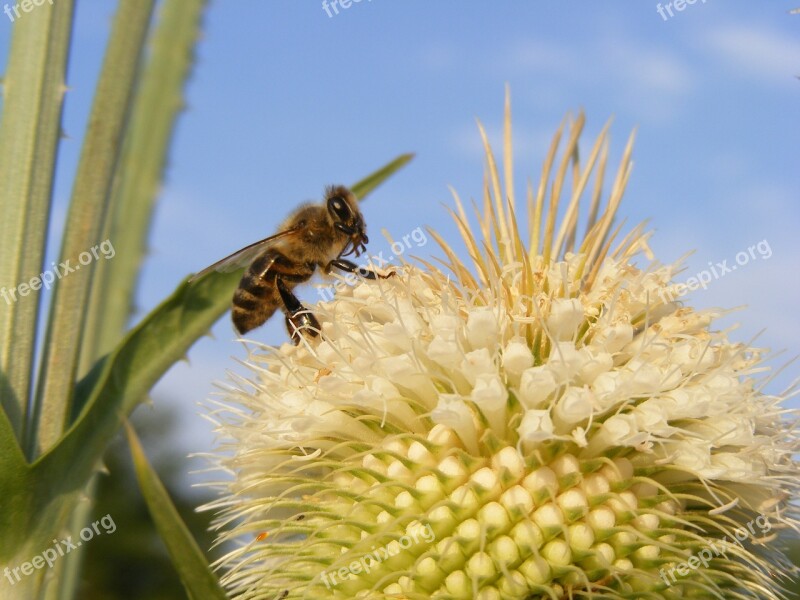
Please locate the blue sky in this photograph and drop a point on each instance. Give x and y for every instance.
(285, 99)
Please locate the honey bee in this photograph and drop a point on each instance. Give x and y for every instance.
(314, 235)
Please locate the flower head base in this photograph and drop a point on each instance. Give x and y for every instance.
(544, 424)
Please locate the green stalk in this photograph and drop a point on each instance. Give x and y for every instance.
(33, 94)
(158, 102)
(84, 227)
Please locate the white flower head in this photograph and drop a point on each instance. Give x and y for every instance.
(536, 423)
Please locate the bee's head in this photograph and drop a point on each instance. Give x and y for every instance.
(343, 208)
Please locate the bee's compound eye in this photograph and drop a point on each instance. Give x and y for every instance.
(339, 208)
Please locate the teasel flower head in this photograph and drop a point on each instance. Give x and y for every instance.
(535, 416)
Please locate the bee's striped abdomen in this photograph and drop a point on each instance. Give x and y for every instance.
(257, 297)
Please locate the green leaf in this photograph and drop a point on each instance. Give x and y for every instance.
(15, 500)
(88, 208)
(33, 94)
(187, 558)
(113, 388)
(111, 391)
(364, 188)
(11, 457)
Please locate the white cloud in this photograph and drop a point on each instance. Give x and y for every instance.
(539, 55)
(760, 53)
(649, 71)
(649, 81)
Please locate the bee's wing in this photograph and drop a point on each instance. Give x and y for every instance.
(242, 258)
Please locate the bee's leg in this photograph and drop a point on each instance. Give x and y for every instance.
(351, 267)
(298, 317)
